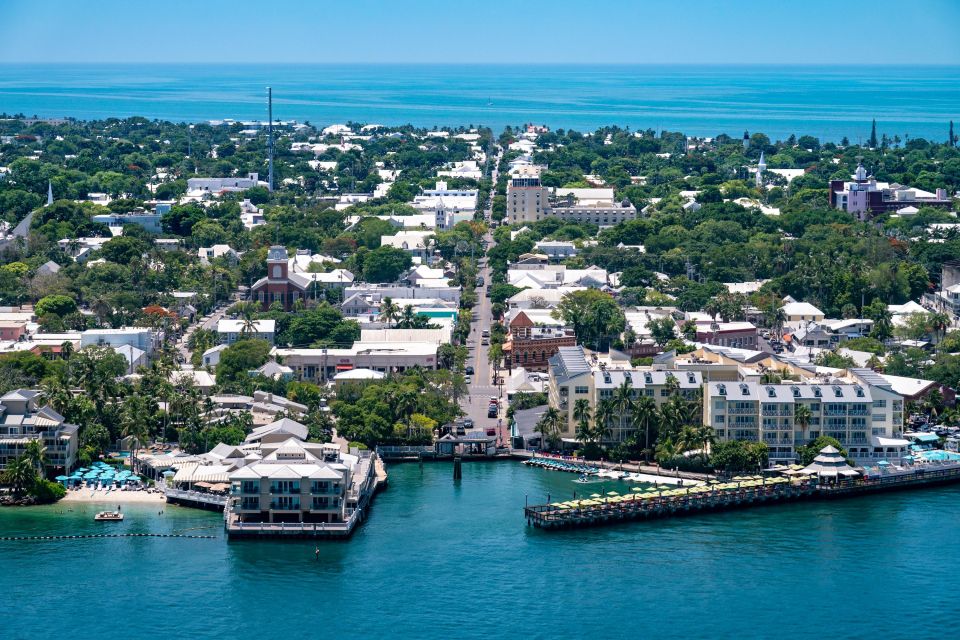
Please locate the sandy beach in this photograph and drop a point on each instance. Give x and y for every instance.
(115, 497)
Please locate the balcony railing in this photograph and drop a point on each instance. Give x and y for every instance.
(285, 506)
(741, 411)
(275, 490)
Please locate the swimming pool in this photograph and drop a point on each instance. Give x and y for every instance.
(938, 455)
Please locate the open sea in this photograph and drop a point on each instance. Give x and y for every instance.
(438, 559)
(829, 102)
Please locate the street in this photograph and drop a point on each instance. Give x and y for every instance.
(481, 388)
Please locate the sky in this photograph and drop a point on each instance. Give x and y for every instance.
(484, 31)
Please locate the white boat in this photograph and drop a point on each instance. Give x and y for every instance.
(108, 516)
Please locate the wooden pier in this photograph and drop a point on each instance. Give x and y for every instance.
(724, 497)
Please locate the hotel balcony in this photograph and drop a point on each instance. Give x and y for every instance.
(283, 506)
(735, 411)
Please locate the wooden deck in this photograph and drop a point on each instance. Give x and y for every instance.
(550, 516)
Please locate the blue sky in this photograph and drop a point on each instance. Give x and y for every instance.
(497, 31)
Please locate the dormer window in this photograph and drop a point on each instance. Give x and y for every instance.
(837, 391)
(859, 390)
(816, 392)
(795, 391)
(744, 390)
(722, 389)
(771, 392)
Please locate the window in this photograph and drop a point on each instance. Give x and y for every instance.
(277, 271)
(581, 390)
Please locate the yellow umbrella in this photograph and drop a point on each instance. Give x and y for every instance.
(612, 493)
(595, 495)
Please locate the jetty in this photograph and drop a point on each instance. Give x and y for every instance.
(752, 491)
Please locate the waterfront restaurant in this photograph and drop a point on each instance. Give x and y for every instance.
(295, 482)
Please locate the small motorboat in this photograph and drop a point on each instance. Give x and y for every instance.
(585, 479)
(108, 516)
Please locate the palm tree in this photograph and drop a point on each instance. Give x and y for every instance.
(388, 311)
(705, 436)
(644, 413)
(246, 310)
(939, 322)
(606, 411)
(36, 454)
(549, 426)
(135, 417)
(19, 473)
(581, 414)
(688, 439)
(801, 418)
(671, 417)
(408, 319)
(56, 393)
(777, 319)
(623, 401)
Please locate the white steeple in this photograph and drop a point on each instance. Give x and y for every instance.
(761, 167)
(861, 174)
(49, 193)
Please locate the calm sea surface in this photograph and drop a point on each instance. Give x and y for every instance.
(444, 560)
(826, 101)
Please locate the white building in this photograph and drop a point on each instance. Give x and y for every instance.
(320, 365)
(575, 375)
(229, 331)
(413, 242)
(220, 185)
(865, 417)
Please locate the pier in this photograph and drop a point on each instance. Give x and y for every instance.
(725, 496)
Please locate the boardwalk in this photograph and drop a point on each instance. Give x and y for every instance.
(717, 497)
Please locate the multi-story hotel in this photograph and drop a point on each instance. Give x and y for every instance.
(526, 197)
(23, 421)
(865, 416)
(574, 375)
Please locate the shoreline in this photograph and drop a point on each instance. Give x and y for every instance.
(89, 496)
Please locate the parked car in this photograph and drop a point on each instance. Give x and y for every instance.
(468, 423)
(468, 379)
(469, 370)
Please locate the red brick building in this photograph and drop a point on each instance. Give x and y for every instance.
(531, 344)
(280, 285)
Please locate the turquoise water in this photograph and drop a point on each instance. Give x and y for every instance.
(826, 101)
(444, 560)
(940, 456)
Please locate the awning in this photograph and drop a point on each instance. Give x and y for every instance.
(880, 441)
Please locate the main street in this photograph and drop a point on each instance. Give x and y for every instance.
(482, 387)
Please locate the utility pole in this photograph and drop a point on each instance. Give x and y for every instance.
(270, 138)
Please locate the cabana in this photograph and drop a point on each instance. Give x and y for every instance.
(829, 464)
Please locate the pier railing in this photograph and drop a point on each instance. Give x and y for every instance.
(196, 496)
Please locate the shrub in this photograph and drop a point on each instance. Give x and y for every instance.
(45, 491)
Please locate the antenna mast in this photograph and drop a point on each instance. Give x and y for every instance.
(270, 138)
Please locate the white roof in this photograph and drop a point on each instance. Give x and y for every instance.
(801, 309)
(359, 374)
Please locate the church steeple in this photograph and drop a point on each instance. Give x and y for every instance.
(49, 193)
(761, 167)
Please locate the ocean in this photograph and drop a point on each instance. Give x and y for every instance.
(829, 102)
(444, 559)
